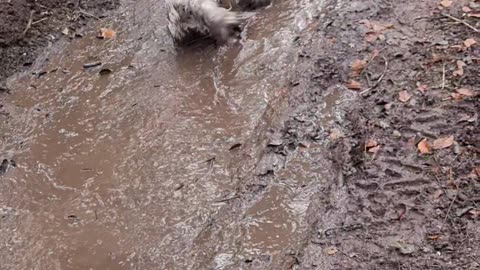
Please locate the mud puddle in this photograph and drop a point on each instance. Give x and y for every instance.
(126, 170)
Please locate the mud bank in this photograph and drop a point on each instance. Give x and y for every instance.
(298, 148)
(26, 27)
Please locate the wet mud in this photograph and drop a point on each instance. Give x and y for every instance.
(128, 153)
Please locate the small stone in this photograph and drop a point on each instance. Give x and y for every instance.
(397, 134)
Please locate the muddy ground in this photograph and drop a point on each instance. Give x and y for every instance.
(26, 27)
(365, 155)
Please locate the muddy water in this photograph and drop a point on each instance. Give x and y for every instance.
(126, 170)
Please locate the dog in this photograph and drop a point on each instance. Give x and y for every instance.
(190, 20)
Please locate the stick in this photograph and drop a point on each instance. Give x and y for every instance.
(29, 24)
(461, 21)
(449, 209)
(379, 80)
(39, 21)
(443, 77)
(89, 14)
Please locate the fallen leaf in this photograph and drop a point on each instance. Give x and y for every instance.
(107, 33)
(459, 71)
(474, 15)
(442, 143)
(434, 237)
(475, 213)
(374, 149)
(66, 31)
(403, 247)
(404, 96)
(357, 67)
(331, 250)
(423, 146)
(446, 3)
(354, 85)
(422, 88)
(437, 58)
(466, 92)
(456, 96)
(475, 173)
(437, 194)
(469, 42)
(371, 36)
(466, 9)
(371, 143)
(336, 134)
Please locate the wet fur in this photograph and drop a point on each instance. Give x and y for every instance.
(193, 19)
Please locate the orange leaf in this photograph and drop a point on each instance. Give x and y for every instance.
(434, 237)
(437, 193)
(466, 92)
(371, 143)
(422, 88)
(354, 85)
(475, 15)
(456, 96)
(374, 149)
(357, 67)
(469, 42)
(446, 3)
(331, 250)
(404, 96)
(442, 143)
(423, 146)
(107, 33)
(459, 71)
(466, 9)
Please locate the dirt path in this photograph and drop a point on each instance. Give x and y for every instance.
(299, 148)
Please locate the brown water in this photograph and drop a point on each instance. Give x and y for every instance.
(134, 169)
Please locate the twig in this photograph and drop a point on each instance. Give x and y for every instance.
(89, 14)
(39, 21)
(29, 24)
(443, 77)
(227, 199)
(449, 209)
(379, 80)
(461, 21)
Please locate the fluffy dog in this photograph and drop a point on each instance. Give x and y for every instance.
(192, 19)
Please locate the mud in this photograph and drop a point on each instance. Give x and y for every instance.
(254, 155)
(27, 27)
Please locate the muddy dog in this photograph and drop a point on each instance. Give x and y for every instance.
(189, 20)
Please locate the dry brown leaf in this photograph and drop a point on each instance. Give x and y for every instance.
(466, 9)
(437, 193)
(374, 149)
(466, 92)
(336, 134)
(357, 67)
(331, 250)
(371, 143)
(475, 173)
(404, 96)
(446, 3)
(474, 15)
(434, 237)
(423, 146)
(469, 42)
(354, 85)
(456, 96)
(442, 143)
(459, 71)
(475, 213)
(422, 88)
(107, 33)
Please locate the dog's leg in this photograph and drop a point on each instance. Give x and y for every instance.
(252, 4)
